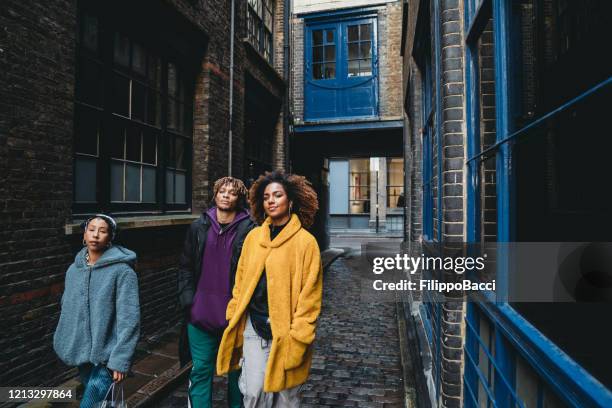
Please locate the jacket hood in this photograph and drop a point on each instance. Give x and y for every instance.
(114, 255)
(290, 229)
(211, 214)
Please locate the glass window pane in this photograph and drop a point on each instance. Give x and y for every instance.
(268, 45)
(173, 114)
(89, 84)
(173, 85)
(365, 67)
(85, 180)
(359, 192)
(121, 95)
(87, 132)
(122, 50)
(317, 37)
(132, 145)
(116, 181)
(170, 152)
(317, 54)
(148, 184)
(188, 117)
(139, 59)
(359, 207)
(169, 187)
(89, 32)
(179, 153)
(329, 36)
(181, 117)
(154, 74)
(116, 136)
(132, 182)
(353, 68)
(353, 51)
(138, 101)
(149, 148)
(180, 196)
(365, 33)
(317, 71)
(330, 70)
(353, 33)
(268, 19)
(330, 53)
(153, 108)
(365, 49)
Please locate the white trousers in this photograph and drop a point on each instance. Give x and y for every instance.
(255, 352)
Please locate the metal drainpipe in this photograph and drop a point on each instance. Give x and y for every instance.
(286, 74)
(231, 90)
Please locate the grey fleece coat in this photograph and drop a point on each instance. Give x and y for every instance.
(100, 318)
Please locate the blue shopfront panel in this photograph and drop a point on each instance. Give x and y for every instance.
(339, 186)
(341, 76)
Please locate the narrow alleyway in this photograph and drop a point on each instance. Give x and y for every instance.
(357, 355)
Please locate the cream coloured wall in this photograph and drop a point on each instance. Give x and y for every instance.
(310, 6)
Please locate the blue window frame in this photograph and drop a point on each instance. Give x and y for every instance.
(505, 348)
(427, 56)
(340, 72)
(429, 67)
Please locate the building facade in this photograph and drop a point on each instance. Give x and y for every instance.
(505, 110)
(346, 109)
(133, 109)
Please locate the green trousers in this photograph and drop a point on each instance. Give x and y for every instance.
(204, 347)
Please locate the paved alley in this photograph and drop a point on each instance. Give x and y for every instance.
(357, 355)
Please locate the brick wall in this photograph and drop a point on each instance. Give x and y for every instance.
(486, 76)
(37, 59)
(390, 60)
(297, 69)
(452, 145)
(453, 139)
(414, 162)
(37, 65)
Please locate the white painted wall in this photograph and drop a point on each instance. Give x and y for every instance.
(310, 6)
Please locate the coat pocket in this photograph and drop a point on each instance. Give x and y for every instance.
(294, 352)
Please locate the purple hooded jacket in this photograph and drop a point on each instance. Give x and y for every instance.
(213, 291)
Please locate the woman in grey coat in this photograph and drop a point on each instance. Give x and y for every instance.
(99, 324)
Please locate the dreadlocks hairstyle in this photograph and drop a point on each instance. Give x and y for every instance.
(298, 189)
(237, 185)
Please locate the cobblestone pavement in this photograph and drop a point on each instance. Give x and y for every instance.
(357, 359)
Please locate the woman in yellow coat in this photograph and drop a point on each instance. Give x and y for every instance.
(276, 299)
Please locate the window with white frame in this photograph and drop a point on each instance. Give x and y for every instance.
(133, 123)
(260, 26)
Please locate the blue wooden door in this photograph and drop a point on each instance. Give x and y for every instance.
(341, 70)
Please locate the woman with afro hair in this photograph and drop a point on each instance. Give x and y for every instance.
(276, 299)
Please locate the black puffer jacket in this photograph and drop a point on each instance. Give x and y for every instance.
(190, 267)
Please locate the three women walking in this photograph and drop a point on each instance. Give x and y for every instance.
(251, 297)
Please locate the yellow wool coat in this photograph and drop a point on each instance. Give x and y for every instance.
(292, 262)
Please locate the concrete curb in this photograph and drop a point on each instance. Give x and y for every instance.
(330, 255)
(156, 389)
(407, 367)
